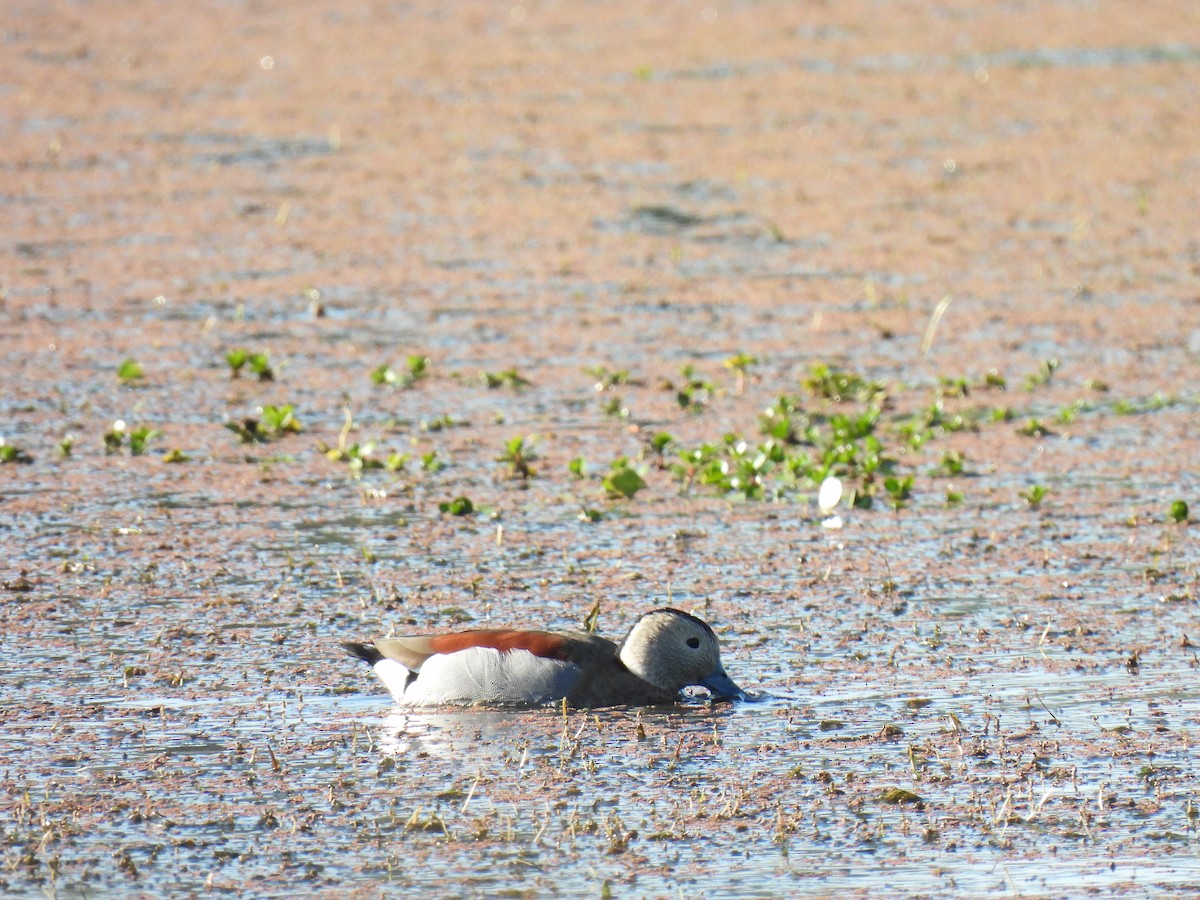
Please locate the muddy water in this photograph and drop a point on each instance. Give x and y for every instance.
(988, 689)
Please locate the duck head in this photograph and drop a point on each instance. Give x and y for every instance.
(672, 649)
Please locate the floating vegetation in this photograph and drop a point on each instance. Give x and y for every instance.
(694, 392)
(1043, 376)
(1034, 428)
(623, 480)
(1034, 496)
(804, 446)
(119, 436)
(509, 378)
(740, 364)
(953, 462)
(841, 386)
(518, 455)
(272, 423)
(11, 453)
(258, 363)
(139, 437)
(415, 368)
(895, 796)
(459, 506)
(130, 372)
(607, 380)
(441, 423)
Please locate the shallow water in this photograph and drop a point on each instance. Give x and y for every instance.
(542, 191)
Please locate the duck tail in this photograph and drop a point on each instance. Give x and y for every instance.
(366, 652)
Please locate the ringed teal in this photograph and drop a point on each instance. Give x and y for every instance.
(665, 651)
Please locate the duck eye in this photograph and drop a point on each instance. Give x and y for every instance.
(693, 642)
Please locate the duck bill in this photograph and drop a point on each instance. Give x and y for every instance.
(721, 687)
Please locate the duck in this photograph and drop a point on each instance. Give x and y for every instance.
(665, 651)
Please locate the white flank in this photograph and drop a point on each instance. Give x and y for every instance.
(485, 675)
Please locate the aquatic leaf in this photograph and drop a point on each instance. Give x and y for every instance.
(896, 795)
(459, 506)
(236, 359)
(260, 365)
(139, 437)
(130, 371)
(11, 453)
(623, 482)
(1035, 495)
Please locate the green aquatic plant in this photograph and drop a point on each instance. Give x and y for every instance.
(416, 367)
(273, 422)
(733, 465)
(953, 387)
(518, 454)
(1043, 376)
(899, 490)
(1034, 428)
(117, 436)
(740, 364)
(384, 374)
(896, 796)
(694, 393)
(952, 462)
(260, 363)
(281, 419)
(993, 380)
(358, 458)
(11, 453)
(658, 445)
(614, 406)
(459, 506)
(606, 380)
(139, 437)
(1034, 496)
(841, 386)
(114, 438)
(1130, 407)
(622, 480)
(130, 372)
(801, 449)
(784, 421)
(175, 455)
(509, 378)
(442, 422)
(236, 360)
